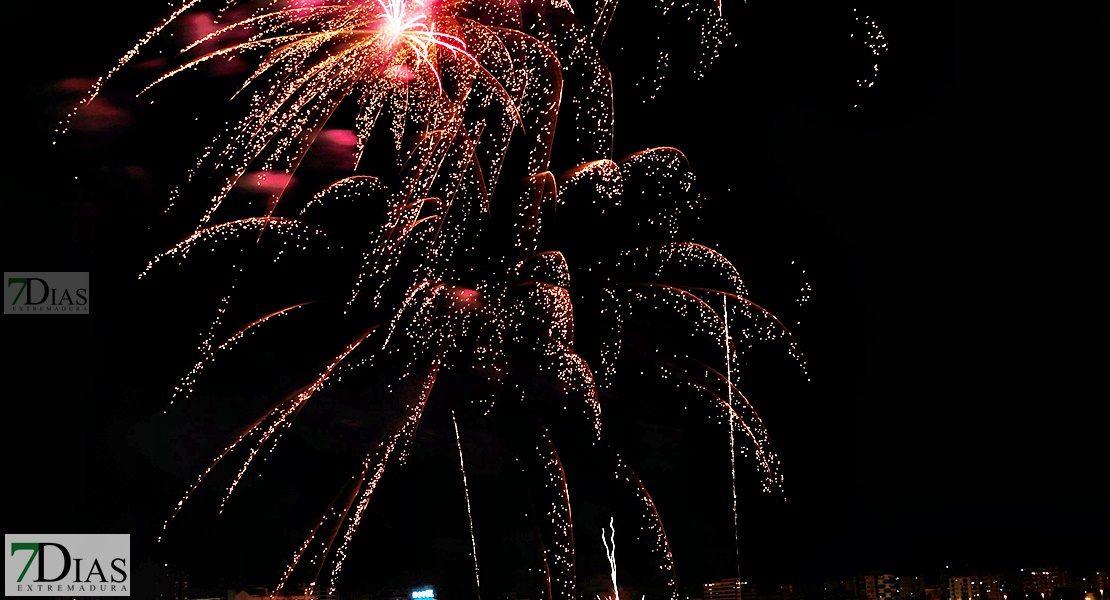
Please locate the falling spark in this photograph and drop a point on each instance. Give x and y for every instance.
(876, 44)
(731, 436)
(469, 515)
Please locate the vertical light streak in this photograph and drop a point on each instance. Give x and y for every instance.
(611, 554)
(469, 514)
(732, 439)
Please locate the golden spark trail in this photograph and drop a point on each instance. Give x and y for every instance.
(469, 516)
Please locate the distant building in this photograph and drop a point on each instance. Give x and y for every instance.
(1091, 584)
(1043, 581)
(976, 587)
(728, 589)
(912, 586)
(847, 588)
(174, 585)
(872, 586)
(934, 592)
(879, 586)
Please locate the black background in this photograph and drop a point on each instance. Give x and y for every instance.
(953, 414)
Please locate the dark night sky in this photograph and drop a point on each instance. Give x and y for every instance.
(953, 415)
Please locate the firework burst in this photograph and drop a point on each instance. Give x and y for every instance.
(453, 247)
